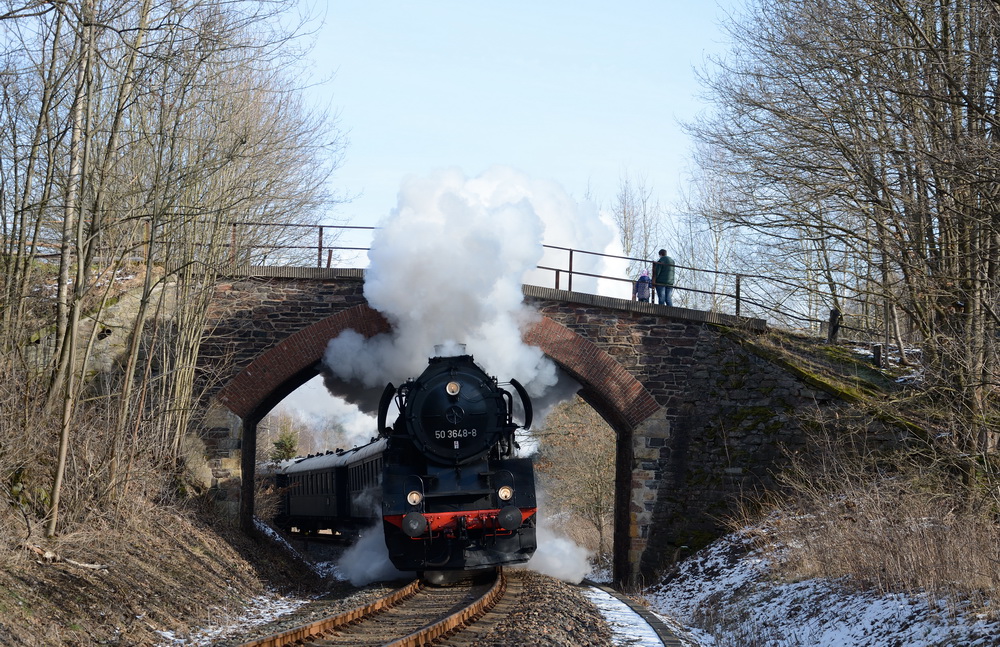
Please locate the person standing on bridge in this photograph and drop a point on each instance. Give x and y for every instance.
(663, 278)
(643, 288)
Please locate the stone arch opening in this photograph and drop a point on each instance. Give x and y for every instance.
(606, 386)
(269, 378)
(623, 402)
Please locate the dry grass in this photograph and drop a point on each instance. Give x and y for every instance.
(902, 523)
(166, 569)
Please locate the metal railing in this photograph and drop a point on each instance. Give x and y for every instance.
(782, 302)
(741, 294)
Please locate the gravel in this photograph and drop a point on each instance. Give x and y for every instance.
(547, 612)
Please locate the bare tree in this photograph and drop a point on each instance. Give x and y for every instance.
(638, 217)
(136, 134)
(576, 466)
(853, 138)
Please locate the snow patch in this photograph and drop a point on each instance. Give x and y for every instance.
(727, 590)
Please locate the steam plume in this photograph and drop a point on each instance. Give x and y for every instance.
(447, 267)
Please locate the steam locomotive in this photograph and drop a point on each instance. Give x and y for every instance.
(454, 495)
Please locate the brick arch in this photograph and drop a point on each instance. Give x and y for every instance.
(290, 363)
(607, 386)
(622, 401)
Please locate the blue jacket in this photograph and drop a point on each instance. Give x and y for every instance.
(641, 289)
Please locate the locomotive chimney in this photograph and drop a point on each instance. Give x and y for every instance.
(451, 349)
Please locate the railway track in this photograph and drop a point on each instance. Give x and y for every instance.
(411, 615)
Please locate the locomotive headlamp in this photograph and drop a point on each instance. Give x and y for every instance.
(453, 388)
(505, 493)
(414, 497)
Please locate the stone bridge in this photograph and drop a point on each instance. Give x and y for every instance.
(699, 418)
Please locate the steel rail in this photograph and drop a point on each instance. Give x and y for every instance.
(469, 614)
(306, 632)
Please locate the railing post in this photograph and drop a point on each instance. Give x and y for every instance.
(834, 327)
(319, 250)
(738, 282)
(570, 288)
(232, 245)
(557, 279)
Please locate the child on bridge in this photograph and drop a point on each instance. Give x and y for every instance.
(642, 288)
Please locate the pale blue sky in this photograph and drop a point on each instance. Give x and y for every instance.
(576, 92)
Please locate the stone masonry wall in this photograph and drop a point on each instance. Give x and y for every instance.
(727, 417)
(250, 315)
(730, 422)
(726, 414)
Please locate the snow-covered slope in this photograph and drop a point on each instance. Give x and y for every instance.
(726, 597)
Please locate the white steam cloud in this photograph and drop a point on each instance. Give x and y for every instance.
(332, 420)
(447, 268)
(367, 560)
(558, 556)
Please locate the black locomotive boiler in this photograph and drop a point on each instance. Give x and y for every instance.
(454, 494)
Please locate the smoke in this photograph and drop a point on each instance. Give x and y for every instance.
(447, 267)
(367, 560)
(542, 406)
(558, 556)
